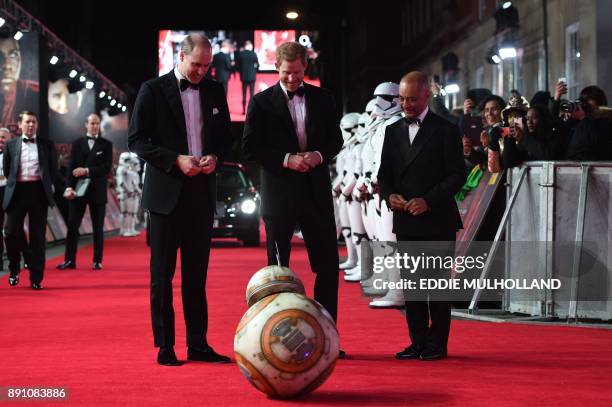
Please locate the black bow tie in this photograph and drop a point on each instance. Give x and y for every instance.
(299, 92)
(184, 84)
(91, 138)
(29, 140)
(413, 120)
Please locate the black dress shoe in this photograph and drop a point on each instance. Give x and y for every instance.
(167, 357)
(411, 352)
(431, 353)
(13, 279)
(66, 265)
(341, 354)
(206, 355)
(97, 265)
(36, 286)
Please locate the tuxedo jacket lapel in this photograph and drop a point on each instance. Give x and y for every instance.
(173, 96)
(96, 147)
(207, 116)
(42, 158)
(422, 137)
(311, 114)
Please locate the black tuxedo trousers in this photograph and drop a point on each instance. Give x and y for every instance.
(187, 227)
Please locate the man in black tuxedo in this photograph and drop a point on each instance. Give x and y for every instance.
(292, 131)
(248, 63)
(421, 170)
(223, 64)
(180, 126)
(91, 157)
(29, 165)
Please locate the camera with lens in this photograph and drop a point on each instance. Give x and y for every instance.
(569, 106)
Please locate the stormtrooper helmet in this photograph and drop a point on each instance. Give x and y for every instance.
(135, 161)
(124, 159)
(362, 130)
(387, 100)
(370, 106)
(348, 125)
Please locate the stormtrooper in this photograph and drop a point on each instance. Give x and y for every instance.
(388, 109)
(368, 121)
(128, 192)
(353, 168)
(348, 126)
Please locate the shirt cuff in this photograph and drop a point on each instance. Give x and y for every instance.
(320, 156)
(286, 161)
(87, 169)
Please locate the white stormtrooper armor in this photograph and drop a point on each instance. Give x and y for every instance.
(388, 107)
(348, 126)
(353, 207)
(128, 192)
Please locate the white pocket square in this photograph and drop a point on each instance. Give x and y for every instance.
(215, 111)
(99, 152)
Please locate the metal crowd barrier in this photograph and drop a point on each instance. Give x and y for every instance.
(565, 207)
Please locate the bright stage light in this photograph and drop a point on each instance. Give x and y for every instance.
(2, 21)
(53, 60)
(123, 109)
(113, 102)
(451, 88)
(507, 52)
(507, 4)
(82, 78)
(18, 35)
(292, 15)
(73, 73)
(89, 85)
(101, 94)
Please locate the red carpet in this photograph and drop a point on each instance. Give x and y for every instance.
(90, 332)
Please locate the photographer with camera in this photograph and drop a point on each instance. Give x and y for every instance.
(592, 136)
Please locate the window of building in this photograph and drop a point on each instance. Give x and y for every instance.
(572, 60)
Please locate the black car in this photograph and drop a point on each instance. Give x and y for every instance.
(238, 202)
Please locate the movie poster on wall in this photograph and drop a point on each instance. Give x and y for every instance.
(68, 110)
(19, 87)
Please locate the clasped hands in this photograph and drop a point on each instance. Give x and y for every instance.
(191, 166)
(78, 172)
(304, 162)
(415, 206)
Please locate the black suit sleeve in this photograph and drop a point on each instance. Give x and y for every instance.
(103, 169)
(74, 152)
(334, 141)
(6, 161)
(253, 143)
(454, 168)
(222, 143)
(142, 128)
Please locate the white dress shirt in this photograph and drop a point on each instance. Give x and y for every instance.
(91, 140)
(413, 129)
(29, 170)
(193, 116)
(297, 110)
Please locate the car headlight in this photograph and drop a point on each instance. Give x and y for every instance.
(248, 206)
